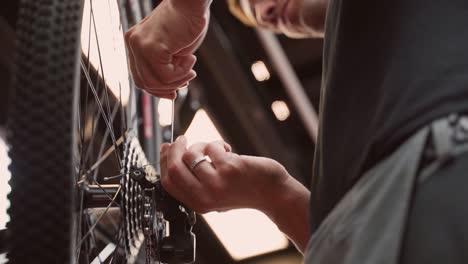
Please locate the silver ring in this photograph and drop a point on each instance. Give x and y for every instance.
(197, 161)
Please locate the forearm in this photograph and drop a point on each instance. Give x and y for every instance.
(193, 5)
(290, 212)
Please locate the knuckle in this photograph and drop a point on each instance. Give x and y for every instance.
(138, 41)
(229, 168)
(188, 156)
(173, 170)
(210, 147)
(164, 50)
(128, 34)
(131, 38)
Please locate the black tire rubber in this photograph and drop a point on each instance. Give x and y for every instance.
(40, 127)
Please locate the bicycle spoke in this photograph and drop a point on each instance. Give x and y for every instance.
(93, 237)
(82, 131)
(104, 116)
(80, 222)
(111, 199)
(99, 218)
(119, 244)
(105, 92)
(81, 139)
(107, 154)
(104, 140)
(123, 126)
(100, 59)
(102, 236)
(94, 126)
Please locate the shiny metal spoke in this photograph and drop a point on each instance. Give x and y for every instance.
(101, 108)
(104, 140)
(119, 244)
(89, 153)
(91, 229)
(80, 223)
(102, 134)
(103, 157)
(106, 93)
(111, 199)
(106, 154)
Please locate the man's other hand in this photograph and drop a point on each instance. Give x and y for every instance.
(161, 47)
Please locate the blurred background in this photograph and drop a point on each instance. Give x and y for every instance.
(244, 95)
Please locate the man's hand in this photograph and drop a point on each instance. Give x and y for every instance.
(229, 181)
(232, 181)
(161, 47)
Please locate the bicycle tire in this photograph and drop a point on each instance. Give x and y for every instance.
(46, 81)
(42, 127)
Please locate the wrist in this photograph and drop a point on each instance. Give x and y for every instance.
(192, 7)
(289, 210)
(288, 196)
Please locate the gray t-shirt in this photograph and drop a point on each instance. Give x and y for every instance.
(389, 68)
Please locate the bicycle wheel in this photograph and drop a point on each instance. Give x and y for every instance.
(73, 125)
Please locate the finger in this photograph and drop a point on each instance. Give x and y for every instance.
(227, 147)
(183, 65)
(182, 79)
(203, 170)
(148, 78)
(177, 168)
(179, 188)
(170, 70)
(163, 159)
(154, 82)
(217, 151)
(167, 95)
(185, 85)
(164, 148)
(174, 70)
